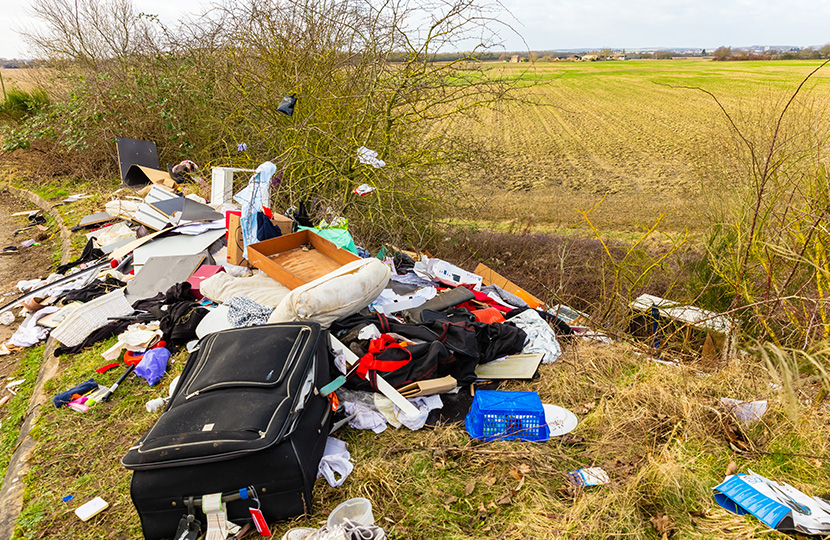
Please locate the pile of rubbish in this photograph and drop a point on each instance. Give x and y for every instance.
(294, 331)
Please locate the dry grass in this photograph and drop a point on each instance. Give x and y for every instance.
(23, 78)
(567, 267)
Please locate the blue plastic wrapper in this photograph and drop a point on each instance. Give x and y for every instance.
(153, 366)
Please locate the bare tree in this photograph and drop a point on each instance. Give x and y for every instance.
(365, 74)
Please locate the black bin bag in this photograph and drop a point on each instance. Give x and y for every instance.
(245, 414)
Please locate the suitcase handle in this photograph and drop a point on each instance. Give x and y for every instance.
(233, 496)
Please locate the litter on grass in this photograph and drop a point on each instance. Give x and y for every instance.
(269, 304)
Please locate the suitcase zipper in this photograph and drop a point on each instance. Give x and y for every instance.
(296, 351)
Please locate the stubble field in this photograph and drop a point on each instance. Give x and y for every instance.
(637, 132)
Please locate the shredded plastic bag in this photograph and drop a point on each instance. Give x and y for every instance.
(153, 366)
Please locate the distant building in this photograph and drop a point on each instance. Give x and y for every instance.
(588, 57)
(515, 59)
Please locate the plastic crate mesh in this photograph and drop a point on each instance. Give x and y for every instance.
(498, 415)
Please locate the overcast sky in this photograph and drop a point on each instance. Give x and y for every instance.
(573, 24)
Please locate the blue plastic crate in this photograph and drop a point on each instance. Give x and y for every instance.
(507, 416)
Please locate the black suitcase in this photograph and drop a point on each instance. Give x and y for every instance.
(246, 415)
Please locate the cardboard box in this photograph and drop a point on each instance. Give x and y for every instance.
(298, 258)
(236, 244)
(490, 277)
(286, 224)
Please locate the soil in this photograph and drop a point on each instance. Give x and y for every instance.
(26, 263)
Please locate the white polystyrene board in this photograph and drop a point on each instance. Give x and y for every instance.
(515, 366)
(180, 244)
(395, 397)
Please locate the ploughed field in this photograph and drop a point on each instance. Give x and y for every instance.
(624, 128)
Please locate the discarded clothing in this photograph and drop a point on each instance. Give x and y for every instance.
(397, 417)
(253, 198)
(484, 300)
(65, 397)
(335, 466)
(94, 290)
(498, 340)
(177, 311)
(179, 326)
(265, 230)
(90, 253)
(540, 336)
(500, 295)
(242, 311)
(29, 333)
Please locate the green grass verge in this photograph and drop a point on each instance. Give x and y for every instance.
(15, 409)
(79, 454)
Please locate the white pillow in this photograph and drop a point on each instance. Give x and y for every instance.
(338, 294)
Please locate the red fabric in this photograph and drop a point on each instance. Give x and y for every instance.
(488, 315)
(376, 346)
(104, 369)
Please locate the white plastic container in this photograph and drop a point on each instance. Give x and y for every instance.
(358, 510)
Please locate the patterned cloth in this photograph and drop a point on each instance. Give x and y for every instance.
(245, 312)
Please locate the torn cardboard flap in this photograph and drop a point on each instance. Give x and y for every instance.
(491, 277)
(138, 176)
(236, 243)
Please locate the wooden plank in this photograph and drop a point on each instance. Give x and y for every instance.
(491, 277)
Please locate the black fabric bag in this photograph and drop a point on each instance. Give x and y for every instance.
(245, 413)
(458, 338)
(419, 362)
